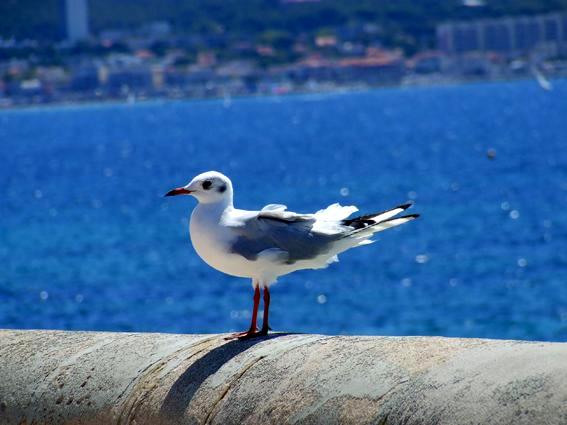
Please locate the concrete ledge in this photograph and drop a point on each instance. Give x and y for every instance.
(112, 378)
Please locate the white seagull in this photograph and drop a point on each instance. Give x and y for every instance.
(264, 245)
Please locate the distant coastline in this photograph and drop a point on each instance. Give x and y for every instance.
(410, 82)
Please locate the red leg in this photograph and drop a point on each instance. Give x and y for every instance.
(252, 332)
(265, 325)
(253, 324)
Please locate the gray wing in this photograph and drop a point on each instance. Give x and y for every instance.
(277, 229)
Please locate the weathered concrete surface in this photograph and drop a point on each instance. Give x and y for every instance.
(113, 378)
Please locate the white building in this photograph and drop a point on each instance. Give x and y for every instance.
(545, 35)
(76, 13)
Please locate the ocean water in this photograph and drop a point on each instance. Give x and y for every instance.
(87, 240)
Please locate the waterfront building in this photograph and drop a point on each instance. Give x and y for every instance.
(76, 19)
(542, 35)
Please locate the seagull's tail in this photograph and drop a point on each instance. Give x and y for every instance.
(366, 225)
(357, 231)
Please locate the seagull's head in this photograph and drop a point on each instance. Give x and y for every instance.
(208, 188)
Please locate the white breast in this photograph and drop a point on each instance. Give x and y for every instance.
(212, 243)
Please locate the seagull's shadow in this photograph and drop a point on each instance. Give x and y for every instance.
(182, 391)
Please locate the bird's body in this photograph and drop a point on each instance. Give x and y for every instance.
(263, 245)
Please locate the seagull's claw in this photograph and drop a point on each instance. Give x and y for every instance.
(249, 334)
(243, 335)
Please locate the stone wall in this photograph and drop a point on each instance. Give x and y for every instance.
(53, 377)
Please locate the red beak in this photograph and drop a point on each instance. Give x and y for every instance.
(178, 191)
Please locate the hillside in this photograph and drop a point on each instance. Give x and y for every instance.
(406, 23)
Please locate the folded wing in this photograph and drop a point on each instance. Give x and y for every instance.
(288, 237)
(291, 233)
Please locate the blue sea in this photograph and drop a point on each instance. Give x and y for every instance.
(87, 240)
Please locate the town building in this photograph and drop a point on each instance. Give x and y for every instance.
(544, 36)
(75, 19)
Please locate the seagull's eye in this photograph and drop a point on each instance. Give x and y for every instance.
(207, 184)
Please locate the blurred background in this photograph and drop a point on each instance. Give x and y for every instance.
(458, 106)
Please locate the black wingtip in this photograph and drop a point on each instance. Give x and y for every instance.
(411, 216)
(406, 206)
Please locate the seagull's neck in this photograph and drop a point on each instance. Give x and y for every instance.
(215, 209)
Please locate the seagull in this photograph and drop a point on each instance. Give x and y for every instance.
(264, 245)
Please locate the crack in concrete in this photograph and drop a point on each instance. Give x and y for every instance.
(144, 378)
(229, 386)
